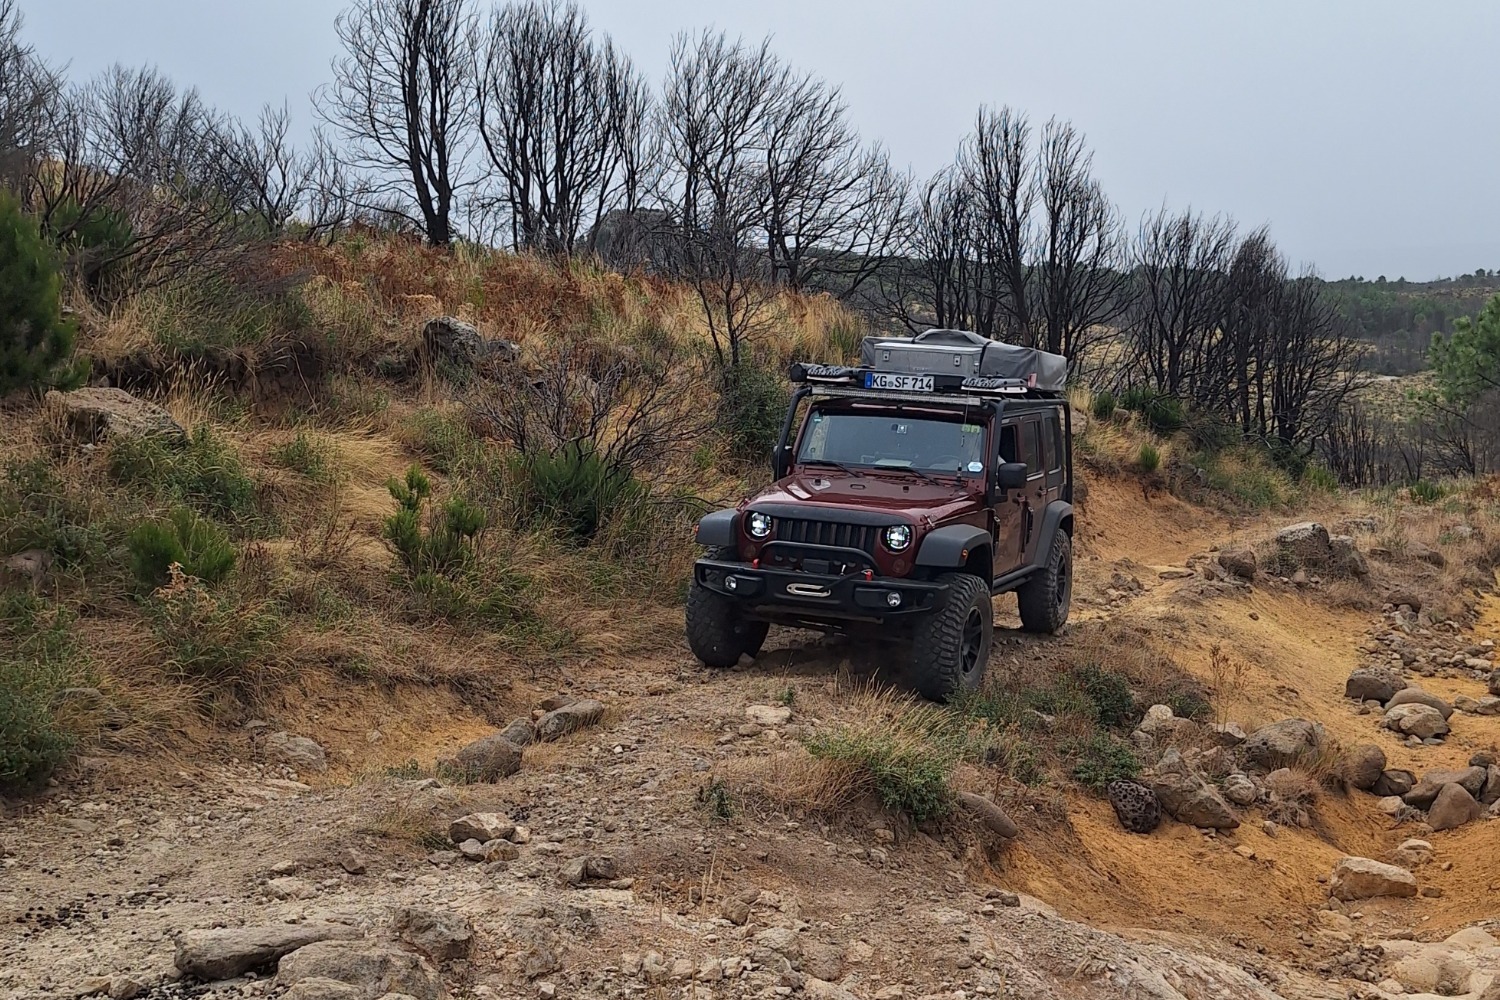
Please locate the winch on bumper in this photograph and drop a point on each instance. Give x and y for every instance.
(858, 594)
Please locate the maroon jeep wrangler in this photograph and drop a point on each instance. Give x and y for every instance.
(909, 490)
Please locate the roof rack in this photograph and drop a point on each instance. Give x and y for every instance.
(905, 384)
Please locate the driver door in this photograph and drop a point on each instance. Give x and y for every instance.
(1009, 510)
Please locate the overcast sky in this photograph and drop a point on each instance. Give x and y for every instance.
(1366, 133)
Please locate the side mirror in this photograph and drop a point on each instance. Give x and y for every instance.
(1011, 476)
(779, 455)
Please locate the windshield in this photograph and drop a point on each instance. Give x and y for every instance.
(894, 441)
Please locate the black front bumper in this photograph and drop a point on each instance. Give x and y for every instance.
(812, 595)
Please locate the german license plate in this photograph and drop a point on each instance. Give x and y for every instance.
(897, 382)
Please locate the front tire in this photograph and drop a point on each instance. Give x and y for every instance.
(718, 632)
(1044, 599)
(952, 644)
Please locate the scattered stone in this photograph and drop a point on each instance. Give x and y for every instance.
(1425, 554)
(1136, 806)
(298, 752)
(782, 940)
(1363, 766)
(1490, 794)
(486, 760)
(352, 862)
(569, 718)
(736, 910)
(1421, 721)
(1373, 684)
(449, 339)
(94, 414)
(441, 935)
(988, 813)
(1240, 790)
(519, 732)
(1394, 782)
(1286, 742)
(1425, 792)
(28, 567)
(578, 872)
(290, 887)
(1406, 597)
(1412, 853)
(1238, 563)
(128, 988)
(376, 969)
(1228, 734)
(1345, 557)
(226, 953)
(1416, 696)
(323, 988)
(1452, 808)
(1391, 805)
(821, 960)
(482, 827)
(768, 715)
(1187, 797)
(1488, 705)
(1361, 878)
(1494, 682)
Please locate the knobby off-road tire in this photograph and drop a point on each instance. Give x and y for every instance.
(952, 644)
(1044, 599)
(717, 632)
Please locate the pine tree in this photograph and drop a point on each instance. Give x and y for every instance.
(36, 343)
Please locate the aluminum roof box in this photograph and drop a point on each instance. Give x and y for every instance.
(960, 352)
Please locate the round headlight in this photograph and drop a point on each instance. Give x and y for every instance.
(758, 525)
(897, 537)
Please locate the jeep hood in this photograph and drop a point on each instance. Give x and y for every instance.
(897, 492)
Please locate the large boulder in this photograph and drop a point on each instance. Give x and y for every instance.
(574, 716)
(1284, 743)
(1416, 696)
(988, 813)
(441, 935)
(1422, 794)
(1494, 681)
(1306, 542)
(1373, 684)
(456, 342)
(1136, 806)
(1345, 558)
(1363, 766)
(1452, 808)
(1186, 797)
(376, 969)
(1361, 878)
(485, 760)
(1421, 721)
(95, 414)
(1491, 791)
(224, 953)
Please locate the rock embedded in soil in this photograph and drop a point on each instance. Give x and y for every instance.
(96, 413)
(569, 718)
(1412, 852)
(1422, 721)
(1307, 542)
(375, 969)
(486, 760)
(1399, 597)
(1283, 743)
(1394, 782)
(1136, 806)
(1362, 878)
(1239, 563)
(768, 715)
(1416, 696)
(1364, 766)
(290, 887)
(229, 952)
(1494, 682)
(297, 752)
(1186, 797)
(988, 813)
(441, 935)
(321, 988)
(1240, 790)
(1452, 808)
(481, 827)
(1426, 791)
(1373, 684)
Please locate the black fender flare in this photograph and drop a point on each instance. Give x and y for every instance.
(949, 547)
(1057, 517)
(719, 528)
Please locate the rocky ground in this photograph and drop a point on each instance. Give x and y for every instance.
(602, 859)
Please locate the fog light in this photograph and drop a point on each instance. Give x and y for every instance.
(893, 599)
(731, 583)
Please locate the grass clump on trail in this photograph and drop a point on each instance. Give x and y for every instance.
(197, 545)
(206, 474)
(39, 663)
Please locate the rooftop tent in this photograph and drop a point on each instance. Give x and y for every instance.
(960, 352)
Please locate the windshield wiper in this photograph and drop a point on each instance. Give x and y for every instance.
(837, 465)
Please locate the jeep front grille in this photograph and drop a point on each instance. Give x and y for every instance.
(852, 536)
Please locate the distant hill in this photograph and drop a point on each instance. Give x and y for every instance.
(1400, 317)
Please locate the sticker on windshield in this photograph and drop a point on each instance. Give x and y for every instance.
(976, 466)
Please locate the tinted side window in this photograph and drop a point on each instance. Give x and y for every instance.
(1056, 453)
(1008, 443)
(1031, 446)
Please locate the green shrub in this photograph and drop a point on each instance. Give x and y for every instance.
(1109, 693)
(209, 315)
(1100, 759)
(574, 489)
(99, 236)
(38, 661)
(1187, 703)
(303, 454)
(752, 407)
(1148, 459)
(1320, 478)
(446, 441)
(908, 760)
(446, 542)
(1104, 405)
(199, 546)
(206, 474)
(215, 639)
(1163, 414)
(36, 343)
(1423, 491)
(38, 510)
